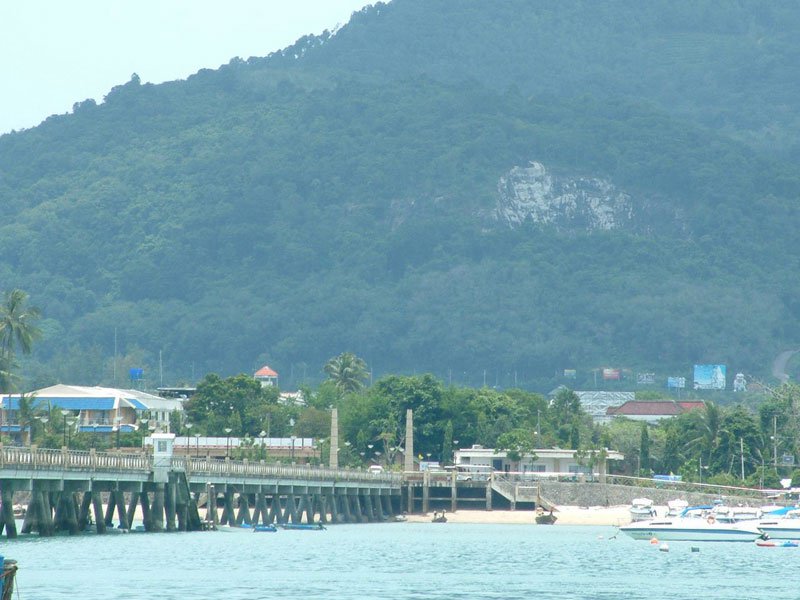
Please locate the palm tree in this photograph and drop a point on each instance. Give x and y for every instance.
(17, 329)
(347, 372)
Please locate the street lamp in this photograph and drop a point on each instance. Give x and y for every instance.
(228, 442)
(262, 434)
(188, 446)
(117, 427)
(197, 445)
(70, 423)
(94, 435)
(293, 439)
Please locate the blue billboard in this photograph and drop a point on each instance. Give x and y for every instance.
(709, 377)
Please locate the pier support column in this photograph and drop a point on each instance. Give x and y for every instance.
(99, 518)
(426, 480)
(169, 506)
(489, 493)
(330, 503)
(228, 516)
(344, 502)
(157, 509)
(147, 514)
(211, 505)
(387, 506)
(275, 513)
(244, 510)
(132, 508)
(83, 511)
(7, 511)
(453, 492)
(369, 510)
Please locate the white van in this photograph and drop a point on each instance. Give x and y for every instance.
(375, 469)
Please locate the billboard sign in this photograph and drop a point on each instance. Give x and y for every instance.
(709, 377)
(676, 382)
(136, 374)
(611, 374)
(645, 378)
(570, 373)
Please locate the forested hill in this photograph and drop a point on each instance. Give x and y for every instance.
(445, 187)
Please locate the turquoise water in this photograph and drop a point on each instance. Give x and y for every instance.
(407, 561)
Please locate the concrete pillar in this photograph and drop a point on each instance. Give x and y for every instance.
(147, 514)
(211, 504)
(7, 509)
(244, 511)
(410, 493)
(386, 501)
(344, 501)
(489, 492)
(330, 505)
(134, 501)
(99, 518)
(409, 455)
(228, 516)
(369, 511)
(453, 492)
(426, 481)
(334, 457)
(157, 509)
(108, 519)
(83, 512)
(170, 506)
(275, 514)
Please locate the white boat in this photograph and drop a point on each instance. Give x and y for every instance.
(642, 509)
(694, 524)
(736, 514)
(676, 507)
(782, 524)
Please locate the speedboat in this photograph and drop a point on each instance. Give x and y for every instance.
(781, 524)
(676, 507)
(695, 524)
(642, 509)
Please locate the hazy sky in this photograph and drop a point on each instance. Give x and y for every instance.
(54, 53)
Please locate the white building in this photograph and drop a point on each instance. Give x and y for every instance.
(544, 460)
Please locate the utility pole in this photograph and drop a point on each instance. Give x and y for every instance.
(741, 448)
(775, 441)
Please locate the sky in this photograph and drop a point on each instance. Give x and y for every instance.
(54, 53)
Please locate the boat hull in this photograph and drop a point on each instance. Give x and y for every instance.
(691, 532)
(781, 531)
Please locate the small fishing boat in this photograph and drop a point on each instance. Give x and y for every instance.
(774, 544)
(438, 517)
(543, 518)
(266, 528)
(304, 526)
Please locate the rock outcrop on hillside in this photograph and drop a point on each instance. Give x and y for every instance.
(534, 194)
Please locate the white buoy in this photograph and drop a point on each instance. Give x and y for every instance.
(664, 547)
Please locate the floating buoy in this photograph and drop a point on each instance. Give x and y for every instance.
(654, 540)
(664, 547)
(695, 549)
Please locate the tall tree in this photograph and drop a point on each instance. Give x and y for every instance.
(17, 330)
(347, 372)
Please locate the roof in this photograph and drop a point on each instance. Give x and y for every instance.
(265, 371)
(648, 408)
(77, 397)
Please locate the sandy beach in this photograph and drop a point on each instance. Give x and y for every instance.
(567, 515)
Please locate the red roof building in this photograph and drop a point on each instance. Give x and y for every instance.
(652, 411)
(266, 376)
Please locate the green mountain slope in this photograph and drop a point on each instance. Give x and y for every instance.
(285, 210)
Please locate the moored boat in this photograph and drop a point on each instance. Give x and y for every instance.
(782, 524)
(695, 524)
(7, 579)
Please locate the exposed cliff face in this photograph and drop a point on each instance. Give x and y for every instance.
(534, 194)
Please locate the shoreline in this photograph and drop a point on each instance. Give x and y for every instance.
(566, 515)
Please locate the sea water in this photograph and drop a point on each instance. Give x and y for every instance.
(404, 561)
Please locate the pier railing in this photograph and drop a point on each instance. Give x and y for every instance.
(45, 459)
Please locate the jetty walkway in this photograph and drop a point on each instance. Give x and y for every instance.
(68, 490)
